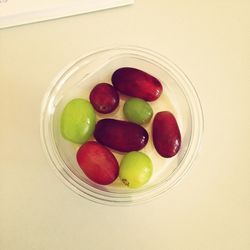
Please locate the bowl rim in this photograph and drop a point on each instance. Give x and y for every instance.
(141, 196)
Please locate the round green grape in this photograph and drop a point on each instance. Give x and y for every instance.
(78, 121)
(136, 169)
(137, 110)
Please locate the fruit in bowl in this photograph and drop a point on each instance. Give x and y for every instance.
(95, 158)
(120, 135)
(177, 96)
(78, 121)
(137, 83)
(137, 110)
(97, 162)
(166, 134)
(104, 98)
(136, 169)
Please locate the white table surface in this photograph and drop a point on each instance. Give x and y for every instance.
(209, 209)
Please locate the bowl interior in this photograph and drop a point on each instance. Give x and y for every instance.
(78, 81)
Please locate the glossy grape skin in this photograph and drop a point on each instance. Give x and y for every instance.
(137, 83)
(135, 169)
(166, 134)
(104, 98)
(98, 163)
(120, 135)
(78, 121)
(137, 110)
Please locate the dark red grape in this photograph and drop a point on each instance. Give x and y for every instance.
(104, 98)
(137, 83)
(166, 134)
(98, 163)
(120, 135)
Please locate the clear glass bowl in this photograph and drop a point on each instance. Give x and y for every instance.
(179, 97)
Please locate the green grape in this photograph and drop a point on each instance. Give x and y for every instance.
(78, 121)
(136, 169)
(137, 110)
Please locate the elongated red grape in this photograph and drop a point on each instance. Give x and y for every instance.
(104, 98)
(97, 162)
(166, 134)
(120, 135)
(137, 83)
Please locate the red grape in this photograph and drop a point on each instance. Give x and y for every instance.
(137, 83)
(98, 163)
(120, 135)
(104, 98)
(166, 134)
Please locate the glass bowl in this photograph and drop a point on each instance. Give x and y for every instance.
(77, 80)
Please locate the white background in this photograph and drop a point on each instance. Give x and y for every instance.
(209, 209)
(16, 12)
(10, 7)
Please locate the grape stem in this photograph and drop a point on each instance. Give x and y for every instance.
(125, 181)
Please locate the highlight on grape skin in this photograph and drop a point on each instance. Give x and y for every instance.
(137, 83)
(121, 135)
